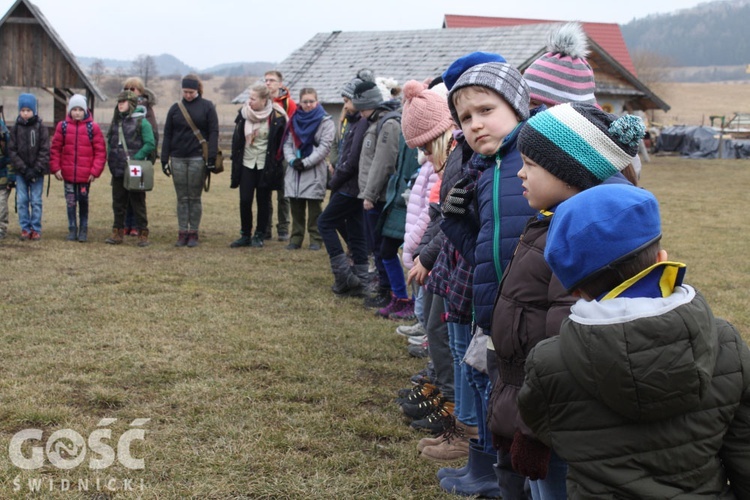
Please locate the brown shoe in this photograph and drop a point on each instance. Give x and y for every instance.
(116, 238)
(460, 430)
(451, 448)
(143, 238)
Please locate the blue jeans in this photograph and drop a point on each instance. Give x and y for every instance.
(29, 204)
(419, 303)
(346, 210)
(459, 337)
(551, 487)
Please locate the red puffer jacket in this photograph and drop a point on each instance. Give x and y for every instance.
(77, 155)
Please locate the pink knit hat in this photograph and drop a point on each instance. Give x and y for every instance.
(425, 114)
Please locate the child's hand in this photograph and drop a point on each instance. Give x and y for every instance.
(417, 273)
(91, 179)
(58, 175)
(459, 197)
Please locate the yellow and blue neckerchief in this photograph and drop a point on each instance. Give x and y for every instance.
(657, 281)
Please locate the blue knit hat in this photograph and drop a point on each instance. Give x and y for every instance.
(598, 228)
(460, 65)
(27, 101)
(581, 144)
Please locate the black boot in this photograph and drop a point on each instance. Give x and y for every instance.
(345, 282)
(83, 230)
(72, 233)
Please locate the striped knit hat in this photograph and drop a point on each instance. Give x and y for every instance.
(500, 77)
(580, 144)
(562, 73)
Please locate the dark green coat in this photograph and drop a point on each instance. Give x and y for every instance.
(644, 398)
(393, 217)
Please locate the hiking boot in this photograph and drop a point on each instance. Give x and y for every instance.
(181, 239)
(379, 299)
(411, 330)
(72, 234)
(438, 421)
(421, 377)
(283, 237)
(418, 411)
(243, 241)
(143, 238)
(314, 247)
(458, 431)
(34, 236)
(83, 234)
(418, 351)
(384, 312)
(126, 231)
(448, 449)
(403, 310)
(192, 239)
(418, 394)
(25, 235)
(292, 246)
(116, 238)
(257, 241)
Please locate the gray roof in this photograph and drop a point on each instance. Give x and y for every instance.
(328, 60)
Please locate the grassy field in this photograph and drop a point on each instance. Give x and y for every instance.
(256, 381)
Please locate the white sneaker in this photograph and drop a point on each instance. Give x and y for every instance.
(417, 339)
(411, 330)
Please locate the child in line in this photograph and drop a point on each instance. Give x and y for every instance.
(7, 178)
(484, 214)
(565, 150)
(29, 156)
(77, 157)
(645, 394)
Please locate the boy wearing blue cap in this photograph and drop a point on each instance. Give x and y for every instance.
(645, 394)
(29, 156)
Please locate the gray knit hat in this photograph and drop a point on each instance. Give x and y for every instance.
(77, 101)
(500, 77)
(363, 75)
(367, 95)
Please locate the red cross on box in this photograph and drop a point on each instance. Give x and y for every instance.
(135, 171)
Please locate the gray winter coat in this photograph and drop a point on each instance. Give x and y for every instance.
(309, 184)
(644, 398)
(377, 161)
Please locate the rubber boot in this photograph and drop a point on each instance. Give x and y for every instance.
(143, 238)
(72, 233)
(513, 485)
(345, 282)
(480, 480)
(116, 238)
(83, 233)
(182, 238)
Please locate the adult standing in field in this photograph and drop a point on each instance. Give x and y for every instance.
(257, 168)
(147, 99)
(188, 166)
(281, 96)
(308, 140)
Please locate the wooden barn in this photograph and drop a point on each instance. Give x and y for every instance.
(32, 55)
(328, 60)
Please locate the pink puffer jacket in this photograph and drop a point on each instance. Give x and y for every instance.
(417, 211)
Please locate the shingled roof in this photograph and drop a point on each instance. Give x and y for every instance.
(328, 60)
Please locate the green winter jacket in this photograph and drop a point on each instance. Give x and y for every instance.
(644, 398)
(394, 213)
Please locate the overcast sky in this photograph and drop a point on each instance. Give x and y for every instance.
(207, 33)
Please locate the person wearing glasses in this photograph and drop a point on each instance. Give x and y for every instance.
(188, 167)
(309, 137)
(147, 99)
(282, 97)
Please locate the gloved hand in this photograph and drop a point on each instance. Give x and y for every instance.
(459, 197)
(529, 457)
(166, 168)
(298, 165)
(211, 167)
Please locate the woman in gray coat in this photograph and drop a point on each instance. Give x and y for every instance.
(308, 141)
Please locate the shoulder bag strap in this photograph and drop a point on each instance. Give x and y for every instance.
(198, 135)
(122, 141)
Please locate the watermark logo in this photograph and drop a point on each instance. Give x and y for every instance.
(67, 449)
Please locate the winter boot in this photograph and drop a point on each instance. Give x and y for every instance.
(438, 421)
(83, 233)
(403, 310)
(386, 311)
(257, 240)
(72, 233)
(116, 238)
(143, 238)
(192, 239)
(345, 282)
(380, 298)
(182, 238)
(480, 480)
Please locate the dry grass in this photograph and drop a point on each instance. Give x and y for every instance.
(258, 382)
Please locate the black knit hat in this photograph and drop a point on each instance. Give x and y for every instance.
(580, 144)
(367, 95)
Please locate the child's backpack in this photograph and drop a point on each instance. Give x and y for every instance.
(89, 129)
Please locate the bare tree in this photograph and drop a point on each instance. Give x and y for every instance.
(145, 67)
(652, 68)
(97, 70)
